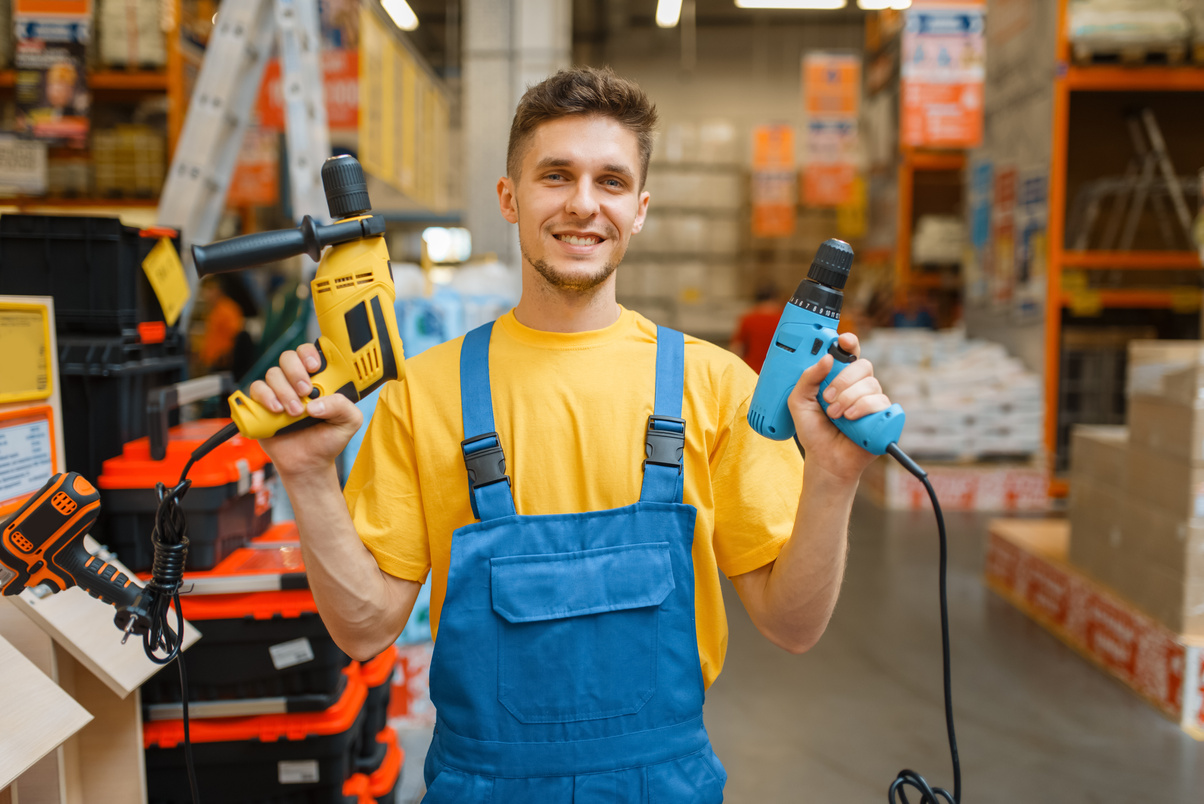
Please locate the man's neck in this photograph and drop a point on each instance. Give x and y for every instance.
(550, 309)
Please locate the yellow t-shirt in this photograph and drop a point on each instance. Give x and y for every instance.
(571, 410)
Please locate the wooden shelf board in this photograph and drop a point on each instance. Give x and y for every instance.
(1108, 78)
(1103, 260)
(27, 201)
(110, 80)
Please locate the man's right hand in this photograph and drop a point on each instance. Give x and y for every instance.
(313, 449)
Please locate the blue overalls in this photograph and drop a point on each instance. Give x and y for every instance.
(566, 667)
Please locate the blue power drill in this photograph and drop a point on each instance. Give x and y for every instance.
(805, 333)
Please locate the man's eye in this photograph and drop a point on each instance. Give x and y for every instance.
(613, 183)
(554, 177)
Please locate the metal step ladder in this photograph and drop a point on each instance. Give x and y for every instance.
(194, 195)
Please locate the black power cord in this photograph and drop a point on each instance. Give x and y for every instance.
(909, 778)
(149, 612)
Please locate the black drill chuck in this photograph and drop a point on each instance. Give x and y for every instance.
(346, 188)
(832, 264)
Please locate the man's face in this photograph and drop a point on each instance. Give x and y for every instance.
(576, 200)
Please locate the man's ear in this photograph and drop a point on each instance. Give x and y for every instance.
(506, 201)
(641, 213)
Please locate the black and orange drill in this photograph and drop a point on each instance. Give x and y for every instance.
(43, 543)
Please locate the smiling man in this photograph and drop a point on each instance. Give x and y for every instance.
(573, 478)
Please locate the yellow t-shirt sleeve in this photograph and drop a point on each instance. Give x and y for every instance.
(756, 484)
(383, 493)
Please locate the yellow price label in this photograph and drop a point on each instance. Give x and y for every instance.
(1185, 300)
(25, 344)
(166, 274)
(1086, 303)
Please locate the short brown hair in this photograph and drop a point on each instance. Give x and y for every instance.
(583, 91)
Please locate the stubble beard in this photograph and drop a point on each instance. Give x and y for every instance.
(563, 281)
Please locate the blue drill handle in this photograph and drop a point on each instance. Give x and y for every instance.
(797, 346)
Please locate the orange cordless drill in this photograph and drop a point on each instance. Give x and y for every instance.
(43, 543)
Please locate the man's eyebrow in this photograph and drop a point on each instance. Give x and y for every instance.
(560, 162)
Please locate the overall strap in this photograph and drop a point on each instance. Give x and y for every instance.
(483, 457)
(665, 440)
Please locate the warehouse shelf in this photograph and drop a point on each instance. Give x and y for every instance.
(1136, 299)
(28, 201)
(110, 80)
(1069, 80)
(1126, 79)
(1132, 260)
(916, 161)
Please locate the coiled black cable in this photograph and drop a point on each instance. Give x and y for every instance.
(909, 778)
(150, 611)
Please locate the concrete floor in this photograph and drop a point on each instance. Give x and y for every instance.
(1035, 722)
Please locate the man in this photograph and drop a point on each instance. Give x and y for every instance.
(573, 477)
(754, 334)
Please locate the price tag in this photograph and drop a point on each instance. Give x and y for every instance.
(291, 653)
(297, 771)
(25, 344)
(26, 454)
(1085, 303)
(166, 274)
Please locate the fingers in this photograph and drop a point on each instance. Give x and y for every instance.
(310, 357)
(848, 341)
(859, 399)
(807, 386)
(284, 385)
(849, 376)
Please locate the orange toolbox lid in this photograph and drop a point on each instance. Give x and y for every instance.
(266, 579)
(369, 787)
(377, 671)
(263, 728)
(134, 468)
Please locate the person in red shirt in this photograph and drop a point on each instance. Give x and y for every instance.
(755, 332)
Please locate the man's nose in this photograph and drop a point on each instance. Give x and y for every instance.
(583, 203)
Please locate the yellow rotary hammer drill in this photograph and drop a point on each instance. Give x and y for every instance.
(352, 291)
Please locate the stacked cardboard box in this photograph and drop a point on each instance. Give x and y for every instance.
(1137, 493)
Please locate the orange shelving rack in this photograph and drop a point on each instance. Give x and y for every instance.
(1071, 79)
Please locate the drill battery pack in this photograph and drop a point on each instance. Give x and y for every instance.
(267, 646)
(298, 758)
(228, 504)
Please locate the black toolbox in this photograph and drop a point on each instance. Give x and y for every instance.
(302, 758)
(91, 265)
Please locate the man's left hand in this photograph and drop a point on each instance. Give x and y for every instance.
(854, 393)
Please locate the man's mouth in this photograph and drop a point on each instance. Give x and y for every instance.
(578, 240)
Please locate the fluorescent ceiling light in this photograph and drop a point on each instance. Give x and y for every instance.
(668, 12)
(816, 4)
(400, 12)
(882, 5)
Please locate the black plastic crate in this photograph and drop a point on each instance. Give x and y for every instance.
(104, 382)
(378, 676)
(220, 520)
(92, 266)
(234, 660)
(260, 760)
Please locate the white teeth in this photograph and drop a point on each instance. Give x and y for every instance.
(578, 241)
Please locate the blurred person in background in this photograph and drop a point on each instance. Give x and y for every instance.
(755, 331)
(225, 344)
(914, 313)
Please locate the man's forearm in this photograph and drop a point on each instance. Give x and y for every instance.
(363, 611)
(800, 588)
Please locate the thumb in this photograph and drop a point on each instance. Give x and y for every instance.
(336, 409)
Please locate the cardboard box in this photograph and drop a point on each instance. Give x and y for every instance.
(1174, 601)
(1184, 387)
(1165, 426)
(1151, 361)
(1167, 482)
(1100, 452)
(959, 487)
(1096, 527)
(1159, 539)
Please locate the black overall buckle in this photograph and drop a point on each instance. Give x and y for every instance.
(486, 465)
(665, 445)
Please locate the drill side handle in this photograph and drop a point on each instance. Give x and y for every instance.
(309, 238)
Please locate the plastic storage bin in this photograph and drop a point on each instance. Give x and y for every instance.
(104, 382)
(92, 266)
(228, 504)
(380, 784)
(377, 675)
(254, 645)
(269, 759)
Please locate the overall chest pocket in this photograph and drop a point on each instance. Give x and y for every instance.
(578, 632)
